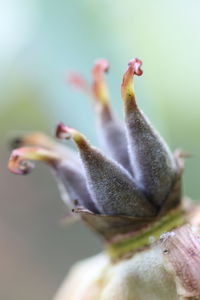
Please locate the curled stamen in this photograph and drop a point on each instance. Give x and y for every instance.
(135, 65)
(98, 91)
(65, 132)
(38, 139)
(67, 172)
(99, 88)
(62, 132)
(19, 164)
(127, 89)
(110, 129)
(33, 139)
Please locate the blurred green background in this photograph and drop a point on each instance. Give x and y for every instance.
(39, 41)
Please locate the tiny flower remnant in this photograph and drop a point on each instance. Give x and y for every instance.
(129, 193)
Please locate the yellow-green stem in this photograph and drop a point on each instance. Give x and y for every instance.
(132, 243)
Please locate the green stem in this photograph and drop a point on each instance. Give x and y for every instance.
(132, 243)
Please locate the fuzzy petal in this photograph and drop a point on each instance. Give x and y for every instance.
(152, 162)
(110, 185)
(73, 181)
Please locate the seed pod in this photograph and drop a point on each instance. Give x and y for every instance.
(111, 186)
(149, 251)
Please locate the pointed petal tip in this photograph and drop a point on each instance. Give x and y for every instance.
(19, 160)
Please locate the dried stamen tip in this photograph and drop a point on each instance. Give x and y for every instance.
(65, 132)
(78, 82)
(15, 143)
(18, 163)
(100, 66)
(135, 66)
(62, 132)
(37, 139)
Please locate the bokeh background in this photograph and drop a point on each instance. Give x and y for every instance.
(39, 41)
